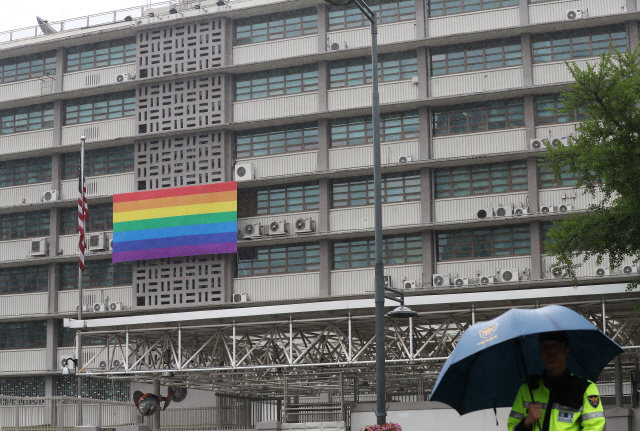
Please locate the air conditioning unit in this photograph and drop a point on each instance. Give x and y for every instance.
(630, 269)
(521, 211)
(404, 159)
(278, 227)
(507, 275)
(488, 279)
(484, 213)
(115, 306)
(97, 242)
(305, 225)
(558, 141)
(122, 77)
(85, 308)
(409, 284)
(39, 247)
(574, 14)
(103, 365)
(100, 307)
(461, 282)
(440, 280)
(536, 144)
(240, 297)
(337, 46)
(557, 273)
(50, 196)
(504, 211)
(387, 281)
(252, 230)
(116, 363)
(244, 172)
(415, 80)
(601, 272)
(548, 209)
(566, 207)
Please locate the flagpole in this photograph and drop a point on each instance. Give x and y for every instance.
(78, 334)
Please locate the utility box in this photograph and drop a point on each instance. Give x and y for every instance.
(618, 419)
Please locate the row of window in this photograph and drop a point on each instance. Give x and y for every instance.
(358, 71)
(273, 27)
(29, 67)
(25, 171)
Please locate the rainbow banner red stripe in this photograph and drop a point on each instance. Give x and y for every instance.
(181, 221)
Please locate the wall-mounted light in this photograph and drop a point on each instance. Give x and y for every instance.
(69, 367)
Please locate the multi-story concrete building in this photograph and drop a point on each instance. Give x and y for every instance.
(277, 95)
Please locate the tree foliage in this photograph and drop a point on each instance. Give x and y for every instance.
(606, 154)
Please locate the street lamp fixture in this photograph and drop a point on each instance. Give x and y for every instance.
(69, 369)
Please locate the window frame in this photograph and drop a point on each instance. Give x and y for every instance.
(90, 275)
(116, 160)
(268, 141)
(548, 41)
(24, 225)
(249, 200)
(100, 219)
(553, 117)
(457, 53)
(345, 18)
(464, 8)
(14, 280)
(110, 106)
(467, 116)
(26, 119)
(353, 72)
(547, 180)
(361, 189)
(455, 173)
(277, 83)
(480, 252)
(274, 22)
(309, 253)
(23, 335)
(360, 252)
(119, 51)
(30, 63)
(359, 130)
(25, 171)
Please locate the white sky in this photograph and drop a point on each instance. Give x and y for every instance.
(22, 13)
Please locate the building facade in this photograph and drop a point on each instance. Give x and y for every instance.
(277, 95)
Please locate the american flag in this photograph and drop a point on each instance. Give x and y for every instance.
(83, 214)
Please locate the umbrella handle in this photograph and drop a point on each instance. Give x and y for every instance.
(526, 375)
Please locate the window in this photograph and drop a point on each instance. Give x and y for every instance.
(278, 200)
(67, 338)
(476, 56)
(566, 178)
(102, 107)
(357, 71)
(27, 118)
(29, 67)
(274, 83)
(100, 219)
(274, 27)
(449, 7)
(101, 54)
(277, 140)
(478, 117)
(23, 386)
(25, 171)
(97, 273)
(488, 242)
(23, 335)
(24, 279)
(481, 179)
(545, 111)
(112, 160)
(278, 259)
(359, 191)
(397, 126)
(24, 225)
(93, 387)
(387, 11)
(396, 250)
(578, 43)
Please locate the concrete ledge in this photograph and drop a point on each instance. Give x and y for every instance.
(132, 428)
(268, 426)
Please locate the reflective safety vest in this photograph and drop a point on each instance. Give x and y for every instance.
(575, 407)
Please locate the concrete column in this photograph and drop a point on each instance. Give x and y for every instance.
(537, 271)
(530, 117)
(323, 85)
(58, 118)
(326, 260)
(533, 181)
(423, 73)
(322, 224)
(632, 32)
(323, 24)
(422, 21)
(60, 61)
(428, 257)
(524, 12)
(527, 60)
(227, 41)
(426, 195)
(49, 414)
(156, 415)
(324, 142)
(228, 97)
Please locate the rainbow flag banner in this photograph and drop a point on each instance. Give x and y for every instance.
(181, 221)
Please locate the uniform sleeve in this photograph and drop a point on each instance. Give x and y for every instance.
(518, 412)
(592, 411)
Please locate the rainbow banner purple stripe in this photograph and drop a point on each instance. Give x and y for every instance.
(182, 221)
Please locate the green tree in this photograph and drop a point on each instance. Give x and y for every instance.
(606, 154)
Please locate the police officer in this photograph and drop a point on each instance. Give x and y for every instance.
(563, 402)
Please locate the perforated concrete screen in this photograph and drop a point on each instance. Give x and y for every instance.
(180, 48)
(183, 281)
(180, 161)
(179, 105)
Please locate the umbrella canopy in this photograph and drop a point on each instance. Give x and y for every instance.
(486, 368)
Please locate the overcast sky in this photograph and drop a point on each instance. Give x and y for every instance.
(22, 13)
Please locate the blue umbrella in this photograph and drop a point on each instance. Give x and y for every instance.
(492, 359)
